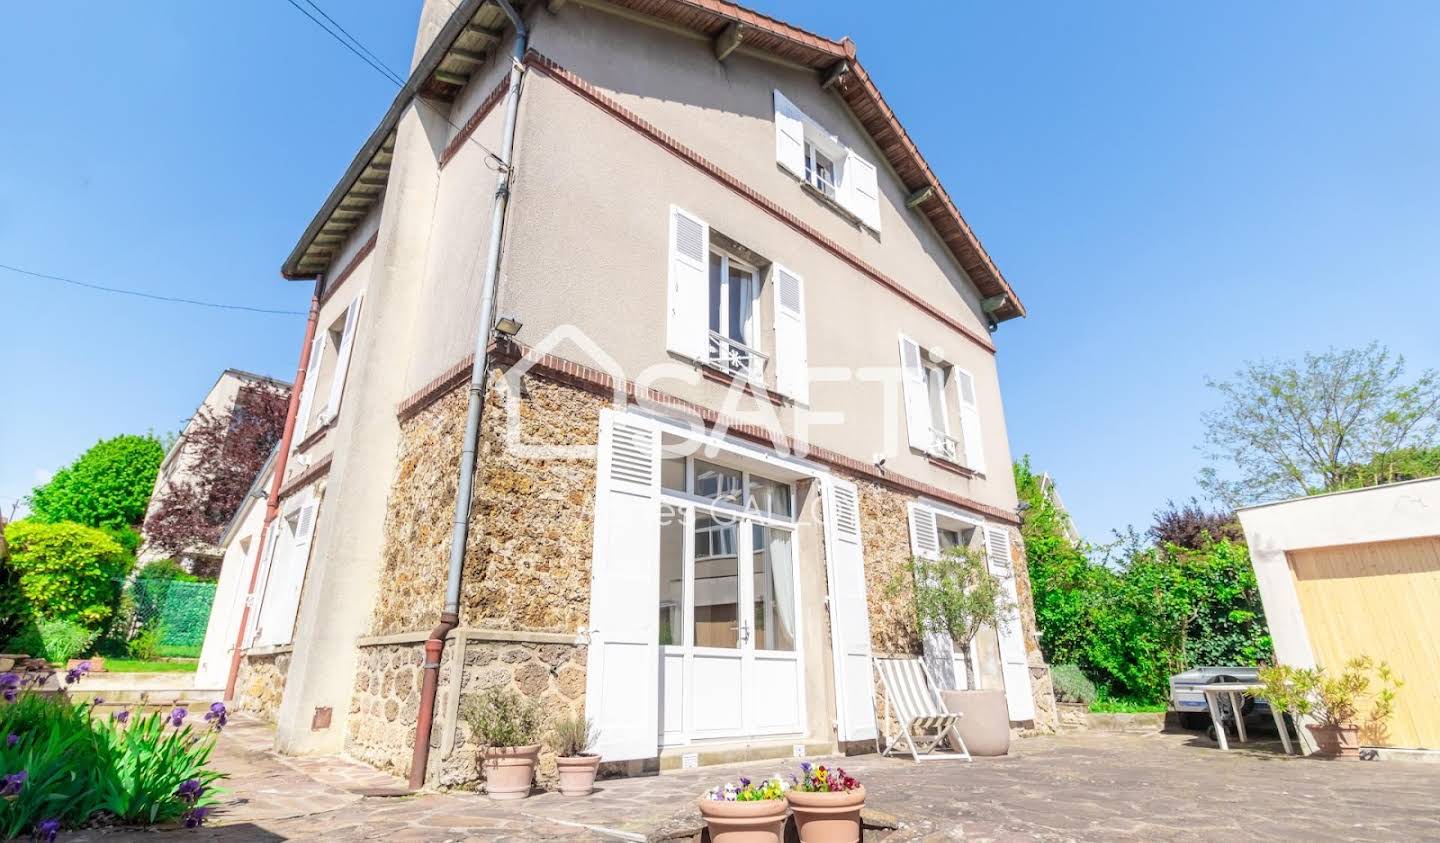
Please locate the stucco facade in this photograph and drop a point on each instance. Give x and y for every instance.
(620, 122)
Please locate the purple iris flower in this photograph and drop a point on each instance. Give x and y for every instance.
(13, 783)
(177, 716)
(195, 817)
(11, 739)
(98, 701)
(189, 790)
(45, 830)
(217, 715)
(73, 675)
(121, 716)
(9, 686)
(9, 694)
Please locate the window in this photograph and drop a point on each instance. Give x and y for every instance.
(733, 289)
(717, 482)
(819, 159)
(819, 170)
(941, 415)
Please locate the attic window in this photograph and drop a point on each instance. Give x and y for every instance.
(817, 157)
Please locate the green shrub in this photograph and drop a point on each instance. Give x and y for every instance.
(146, 645)
(165, 569)
(56, 641)
(1124, 705)
(573, 735)
(65, 571)
(501, 717)
(1071, 685)
(107, 486)
(77, 769)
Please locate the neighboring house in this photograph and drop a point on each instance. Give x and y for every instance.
(1051, 491)
(181, 461)
(718, 235)
(1352, 574)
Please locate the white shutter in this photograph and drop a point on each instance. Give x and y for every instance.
(686, 331)
(274, 554)
(280, 622)
(789, 136)
(1014, 661)
(849, 613)
(623, 668)
(307, 394)
(861, 191)
(917, 397)
(939, 648)
(342, 358)
(792, 356)
(970, 421)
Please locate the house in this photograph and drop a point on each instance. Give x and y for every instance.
(229, 391)
(1357, 573)
(745, 370)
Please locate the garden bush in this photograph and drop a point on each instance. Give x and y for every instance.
(1071, 685)
(56, 641)
(62, 768)
(64, 571)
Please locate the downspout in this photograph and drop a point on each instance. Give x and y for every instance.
(479, 376)
(272, 501)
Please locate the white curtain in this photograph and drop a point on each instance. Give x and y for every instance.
(782, 572)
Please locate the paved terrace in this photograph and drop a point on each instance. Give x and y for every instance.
(1086, 786)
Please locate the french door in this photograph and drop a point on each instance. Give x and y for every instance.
(731, 662)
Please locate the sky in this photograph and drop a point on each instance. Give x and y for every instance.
(1173, 189)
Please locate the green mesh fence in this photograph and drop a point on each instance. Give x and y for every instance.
(180, 609)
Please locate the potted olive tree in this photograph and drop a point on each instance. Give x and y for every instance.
(957, 595)
(1334, 703)
(507, 727)
(573, 736)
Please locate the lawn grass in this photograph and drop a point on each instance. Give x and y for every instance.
(142, 666)
(1124, 706)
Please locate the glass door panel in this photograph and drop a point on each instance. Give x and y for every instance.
(717, 583)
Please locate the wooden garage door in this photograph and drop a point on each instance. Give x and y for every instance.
(1380, 600)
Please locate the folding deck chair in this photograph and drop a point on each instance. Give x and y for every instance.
(924, 722)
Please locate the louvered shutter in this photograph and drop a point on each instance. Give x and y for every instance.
(1015, 662)
(974, 446)
(623, 667)
(792, 356)
(307, 394)
(917, 397)
(281, 622)
(686, 331)
(849, 612)
(789, 136)
(256, 600)
(342, 358)
(938, 646)
(861, 191)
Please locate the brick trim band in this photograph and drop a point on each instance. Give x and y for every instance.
(481, 111)
(350, 268)
(305, 478)
(570, 373)
(595, 96)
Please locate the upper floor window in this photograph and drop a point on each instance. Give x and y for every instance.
(818, 158)
(734, 288)
(933, 428)
(326, 370)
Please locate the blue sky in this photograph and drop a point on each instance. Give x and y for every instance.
(1172, 188)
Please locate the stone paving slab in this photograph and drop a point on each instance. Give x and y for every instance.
(1085, 786)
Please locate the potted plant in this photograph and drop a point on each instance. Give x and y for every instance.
(1074, 692)
(1334, 702)
(957, 595)
(827, 805)
(572, 737)
(746, 812)
(507, 727)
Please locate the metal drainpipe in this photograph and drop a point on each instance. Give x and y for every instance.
(479, 375)
(272, 502)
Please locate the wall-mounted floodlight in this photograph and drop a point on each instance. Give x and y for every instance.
(508, 326)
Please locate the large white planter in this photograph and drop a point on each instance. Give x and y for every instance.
(985, 725)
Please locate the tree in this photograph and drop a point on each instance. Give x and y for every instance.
(1193, 526)
(227, 450)
(956, 594)
(64, 571)
(108, 486)
(1295, 428)
(1393, 467)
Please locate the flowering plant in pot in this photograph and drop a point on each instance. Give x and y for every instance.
(746, 811)
(955, 595)
(1334, 702)
(827, 805)
(507, 727)
(572, 738)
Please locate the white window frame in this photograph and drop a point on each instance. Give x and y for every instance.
(813, 154)
(740, 357)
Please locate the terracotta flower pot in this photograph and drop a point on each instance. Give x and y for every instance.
(744, 822)
(827, 817)
(577, 774)
(1336, 741)
(509, 770)
(985, 725)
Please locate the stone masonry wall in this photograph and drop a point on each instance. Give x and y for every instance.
(261, 683)
(885, 530)
(381, 727)
(528, 563)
